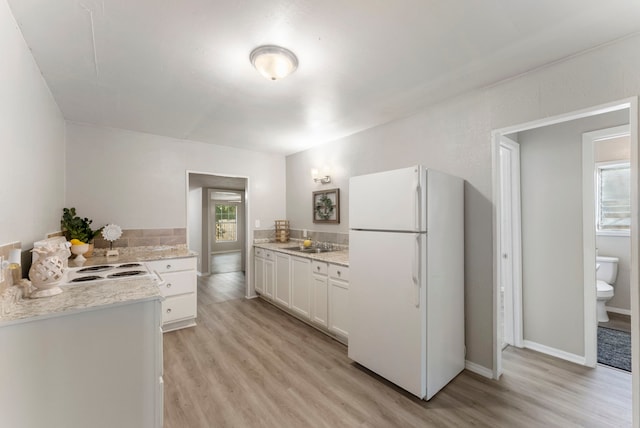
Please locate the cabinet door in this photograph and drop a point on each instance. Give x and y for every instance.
(282, 293)
(269, 278)
(320, 297)
(339, 307)
(301, 286)
(258, 272)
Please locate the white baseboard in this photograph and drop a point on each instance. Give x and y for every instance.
(618, 310)
(478, 369)
(578, 359)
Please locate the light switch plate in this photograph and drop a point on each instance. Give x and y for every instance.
(257, 223)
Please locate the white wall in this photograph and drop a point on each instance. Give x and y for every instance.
(455, 137)
(194, 222)
(31, 143)
(552, 231)
(137, 180)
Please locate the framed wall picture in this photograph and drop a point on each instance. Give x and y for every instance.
(326, 206)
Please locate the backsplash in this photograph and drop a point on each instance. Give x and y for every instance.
(146, 238)
(333, 237)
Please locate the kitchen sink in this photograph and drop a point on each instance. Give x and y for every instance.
(308, 249)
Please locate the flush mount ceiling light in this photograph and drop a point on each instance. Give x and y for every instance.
(273, 62)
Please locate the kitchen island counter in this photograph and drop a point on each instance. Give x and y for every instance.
(79, 298)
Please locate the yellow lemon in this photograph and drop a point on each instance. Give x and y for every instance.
(307, 243)
(75, 241)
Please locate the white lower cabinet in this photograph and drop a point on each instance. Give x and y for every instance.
(339, 300)
(301, 286)
(319, 294)
(282, 294)
(313, 291)
(258, 270)
(180, 306)
(264, 272)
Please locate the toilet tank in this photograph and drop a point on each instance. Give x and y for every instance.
(607, 269)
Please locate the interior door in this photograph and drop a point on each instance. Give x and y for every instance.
(387, 330)
(510, 243)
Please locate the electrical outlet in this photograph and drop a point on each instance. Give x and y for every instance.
(257, 223)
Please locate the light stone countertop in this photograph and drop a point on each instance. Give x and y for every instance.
(142, 254)
(339, 257)
(82, 297)
(95, 295)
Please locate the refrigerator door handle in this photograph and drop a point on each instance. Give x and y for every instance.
(417, 202)
(416, 270)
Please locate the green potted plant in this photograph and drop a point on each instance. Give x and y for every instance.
(75, 227)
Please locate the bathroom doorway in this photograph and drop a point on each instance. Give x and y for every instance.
(607, 183)
(558, 314)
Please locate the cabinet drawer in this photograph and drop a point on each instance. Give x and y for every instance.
(178, 283)
(339, 272)
(179, 307)
(319, 267)
(259, 252)
(172, 265)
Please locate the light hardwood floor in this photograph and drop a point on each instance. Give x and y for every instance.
(247, 364)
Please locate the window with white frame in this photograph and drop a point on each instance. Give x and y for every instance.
(613, 198)
(226, 222)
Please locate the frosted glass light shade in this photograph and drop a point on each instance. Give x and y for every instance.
(273, 62)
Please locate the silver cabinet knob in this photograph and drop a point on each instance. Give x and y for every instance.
(169, 310)
(169, 285)
(318, 267)
(339, 273)
(168, 266)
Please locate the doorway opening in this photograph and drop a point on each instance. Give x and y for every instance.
(558, 313)
(217, 209)
(607, 182)
(226, 221)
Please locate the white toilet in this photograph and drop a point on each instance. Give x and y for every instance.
(606, 272)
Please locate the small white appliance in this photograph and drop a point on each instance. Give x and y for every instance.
(606, 273)
(406, 292)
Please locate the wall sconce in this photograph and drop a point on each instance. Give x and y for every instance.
(324, 179)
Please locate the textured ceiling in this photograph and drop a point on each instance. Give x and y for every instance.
(181, 68)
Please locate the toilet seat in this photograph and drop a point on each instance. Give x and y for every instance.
(604, 290)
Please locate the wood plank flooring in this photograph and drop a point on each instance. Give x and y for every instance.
(226, 262)
(248, 364)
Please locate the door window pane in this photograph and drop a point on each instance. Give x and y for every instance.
(226, 223)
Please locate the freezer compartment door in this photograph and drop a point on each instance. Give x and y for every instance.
(391, 200)
(387, 303)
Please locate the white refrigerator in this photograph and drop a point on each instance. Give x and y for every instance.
(406, 263)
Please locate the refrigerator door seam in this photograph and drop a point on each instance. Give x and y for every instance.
(390, 231)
